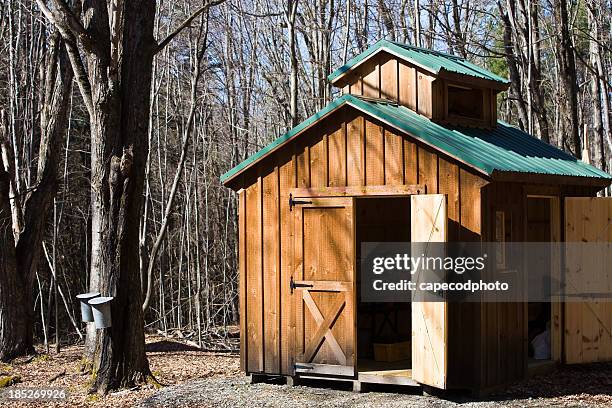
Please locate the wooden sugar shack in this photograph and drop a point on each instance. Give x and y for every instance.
(412, 150)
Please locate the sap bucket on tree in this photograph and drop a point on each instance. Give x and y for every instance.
(101, 309)
(86, 314)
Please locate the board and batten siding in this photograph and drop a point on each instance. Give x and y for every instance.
(502, 346)
(386, 77)
(346, 149)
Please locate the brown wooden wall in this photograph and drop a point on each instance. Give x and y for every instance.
(344, 150)
(387, 77)
(503, 341)
(503, 326)
(486, 342)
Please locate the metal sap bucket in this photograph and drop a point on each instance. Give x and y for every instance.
(86, 315)
(101, 309)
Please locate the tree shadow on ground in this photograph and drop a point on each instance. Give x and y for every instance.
(592, 379)
(584, 379)
(166, 346)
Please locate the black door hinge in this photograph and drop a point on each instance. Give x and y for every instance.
(293, 285)
(293, 203)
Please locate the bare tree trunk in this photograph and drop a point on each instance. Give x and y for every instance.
(602, 75)
(385, 13)
(598, 145)
(121, 144)
(293, 81)
(54, 122)
(417, 23)
(26, 252)
(347, 30)
(515, 91)
(567, 66)
(15, 324)
(119, 48)
(177, 176)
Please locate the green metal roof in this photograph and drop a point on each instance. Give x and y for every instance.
(503, 149)
(432, 61)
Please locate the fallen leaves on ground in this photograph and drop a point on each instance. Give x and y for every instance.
(171, 363)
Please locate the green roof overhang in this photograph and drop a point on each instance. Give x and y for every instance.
(491, 152)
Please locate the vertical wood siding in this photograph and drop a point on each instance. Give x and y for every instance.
(503, 336)
(271, 273)
(384, 76)
(503, 328)
(287, 181)
(346, 149)
(254, 278)
(485, 341)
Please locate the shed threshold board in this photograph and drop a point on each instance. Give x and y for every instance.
(378, 372)
(539, 367)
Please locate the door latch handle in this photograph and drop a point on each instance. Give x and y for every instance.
(293, 285)
(300, 366)
(293, 203)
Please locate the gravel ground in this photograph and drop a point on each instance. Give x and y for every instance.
(590, 387)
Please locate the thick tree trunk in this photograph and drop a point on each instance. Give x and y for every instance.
(15, 324)
(117, 185)
(119, 46)
(19, 261)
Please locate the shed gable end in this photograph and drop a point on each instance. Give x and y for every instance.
(444, 88)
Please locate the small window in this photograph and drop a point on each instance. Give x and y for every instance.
(503, 235)
(465, 102)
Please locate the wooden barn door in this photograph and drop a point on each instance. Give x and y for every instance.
(323, 286)
(429, 319)
(588, 324)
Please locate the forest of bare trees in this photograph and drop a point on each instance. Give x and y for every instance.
(118, 117)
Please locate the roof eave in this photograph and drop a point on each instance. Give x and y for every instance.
(232, 175)
(499, 86)
(544, 178)
(349, 100)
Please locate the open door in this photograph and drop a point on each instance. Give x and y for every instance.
(588, 321)
(429, 319)
(323, 286)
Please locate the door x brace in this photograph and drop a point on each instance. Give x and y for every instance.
(325, 325)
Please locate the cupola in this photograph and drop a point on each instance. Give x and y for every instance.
(444, 88)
